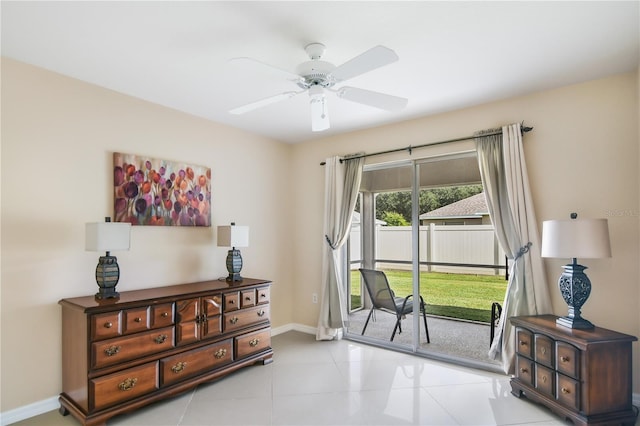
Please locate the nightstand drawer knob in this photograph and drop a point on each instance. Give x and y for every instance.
(128, 384)
(108, 324)
(180, 366)
(220, 353)
(112, 350)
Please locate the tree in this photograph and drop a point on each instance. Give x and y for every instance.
(394, 219)
(430, 199)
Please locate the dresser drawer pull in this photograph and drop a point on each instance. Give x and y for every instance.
(565, 390)
(179, 367)
(524, 371)
(112, 350)
(233, 320)
(160, 339)
(164, 314)
(220, 353)
(138, 319)
(254, 342)
(231, 301)
(544, 379)
(263, 295)
(565, 359)
(128, 384)
(523, 343)
(543, 350)
(247, 298)
(261, 313)
(108, 324)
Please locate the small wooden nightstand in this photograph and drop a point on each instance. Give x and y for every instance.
(582, 375)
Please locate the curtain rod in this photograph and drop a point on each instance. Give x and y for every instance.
(410, 148)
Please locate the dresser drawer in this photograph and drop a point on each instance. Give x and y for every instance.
(543, 347)
(187, 364)
(568, 359)
(246, 317)
(162, 315)
(524, 370)
(248, 298)
(106, 326)
(136, 319)
(124, 385)
(524, 342)
(251, 343)
(544, 379)
(113, 351)
(231, 301)
(263, 296)
(568, 391)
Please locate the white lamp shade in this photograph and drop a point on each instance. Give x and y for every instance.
(576, 238)
(233, 236)
(107, 236)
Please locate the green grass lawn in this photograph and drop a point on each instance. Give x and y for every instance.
(464, 296)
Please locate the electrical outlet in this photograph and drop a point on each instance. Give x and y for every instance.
(314, 298)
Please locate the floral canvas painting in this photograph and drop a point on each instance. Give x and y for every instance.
(156, 192)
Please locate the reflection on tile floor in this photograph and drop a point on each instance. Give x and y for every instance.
(340, 383)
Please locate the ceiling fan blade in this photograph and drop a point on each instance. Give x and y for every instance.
(374, 99)
(262, 67)
(263, 102)
(371, 59)
(319, 112)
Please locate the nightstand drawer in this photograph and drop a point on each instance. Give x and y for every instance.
(568, 359)
(246, 317)
(568, 391)
(124, 385)
(187, 364)
(524, 342)
(524, 370)
(544, 350)
(544, 379)
(251, 343)
(113, 351)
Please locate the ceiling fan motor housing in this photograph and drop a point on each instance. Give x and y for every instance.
(316, 73)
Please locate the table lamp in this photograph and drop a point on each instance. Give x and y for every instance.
(107, 236)
(233, 236)
(573, 238)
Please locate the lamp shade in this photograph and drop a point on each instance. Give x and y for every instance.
(576, 238)
(233, 236)
(107, 236)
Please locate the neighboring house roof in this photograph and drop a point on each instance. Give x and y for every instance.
(471, 207)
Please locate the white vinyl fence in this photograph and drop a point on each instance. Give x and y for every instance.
(467, 244)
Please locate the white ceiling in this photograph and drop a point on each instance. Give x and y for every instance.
(452, 54)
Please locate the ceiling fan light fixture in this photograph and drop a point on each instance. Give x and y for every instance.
(319, 114)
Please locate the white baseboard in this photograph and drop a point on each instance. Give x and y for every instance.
(30, 410)
(50, 404)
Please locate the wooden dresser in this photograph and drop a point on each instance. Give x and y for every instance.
(147, 345)
(582, 375)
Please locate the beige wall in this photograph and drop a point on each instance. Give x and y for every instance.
(58, 135)
(582, 156)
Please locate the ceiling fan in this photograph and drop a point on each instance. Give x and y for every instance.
(316, 76)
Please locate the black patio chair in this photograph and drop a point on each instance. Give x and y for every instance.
(384, 299)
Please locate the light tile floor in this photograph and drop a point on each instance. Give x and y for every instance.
(340, 383)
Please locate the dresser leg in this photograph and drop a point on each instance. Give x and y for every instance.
(63, 411)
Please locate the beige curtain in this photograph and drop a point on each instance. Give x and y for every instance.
(342, 183)
(506, 187)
